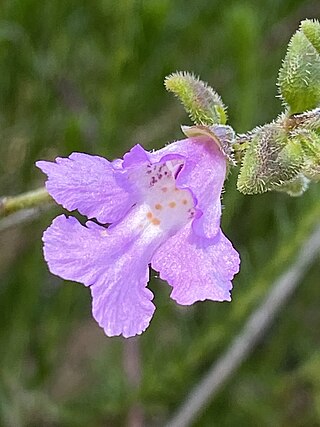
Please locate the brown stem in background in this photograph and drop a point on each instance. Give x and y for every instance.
(245, 342)
(133, 372)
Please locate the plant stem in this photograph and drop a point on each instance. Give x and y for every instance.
(9, 205)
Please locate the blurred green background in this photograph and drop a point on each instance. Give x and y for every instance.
(88, 76)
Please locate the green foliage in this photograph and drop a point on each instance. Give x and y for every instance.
(284, 155)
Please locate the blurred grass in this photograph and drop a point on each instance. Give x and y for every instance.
(87, 76)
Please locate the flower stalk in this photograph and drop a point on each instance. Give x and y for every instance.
(30, 199)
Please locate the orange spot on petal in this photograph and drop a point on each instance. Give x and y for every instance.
(149, 215)
(172, 204)
(184, 201)
(156, 221)
(164, 189)
(158, 206)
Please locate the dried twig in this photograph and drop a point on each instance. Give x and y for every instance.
(244, 343)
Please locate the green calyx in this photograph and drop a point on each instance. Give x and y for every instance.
(269, 161)
(283, 155)
(221, 135)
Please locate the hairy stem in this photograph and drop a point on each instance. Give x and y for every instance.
(31, 199)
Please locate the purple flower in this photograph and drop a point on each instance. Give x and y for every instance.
(164, 209)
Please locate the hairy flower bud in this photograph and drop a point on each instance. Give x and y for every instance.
(285, 155)
(299, 76)
(270, 161)
(201, 102)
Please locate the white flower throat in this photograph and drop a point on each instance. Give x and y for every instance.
(166, 205)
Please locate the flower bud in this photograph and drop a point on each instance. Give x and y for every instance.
(270, 161)
(299, 76)
(201, 102)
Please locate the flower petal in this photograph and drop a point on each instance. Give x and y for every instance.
(197, 268)
(204, 174)
(136, 156)
(75, 252)
(114, 264)
(122, 306)
(90, 184)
